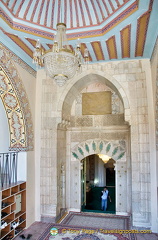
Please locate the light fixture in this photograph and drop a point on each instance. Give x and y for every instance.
(61, 62)
(104, 158)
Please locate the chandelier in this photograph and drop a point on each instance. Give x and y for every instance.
(61, 62)
(104, 158)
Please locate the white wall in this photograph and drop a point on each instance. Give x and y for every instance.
(28, 159)
(4, 130)
(22, 166)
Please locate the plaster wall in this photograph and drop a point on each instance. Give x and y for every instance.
(29, 82)
(4, 130)
(154, 73)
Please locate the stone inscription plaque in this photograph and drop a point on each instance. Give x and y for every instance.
(96, 103)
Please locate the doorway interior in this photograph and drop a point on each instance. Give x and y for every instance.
(95, 175)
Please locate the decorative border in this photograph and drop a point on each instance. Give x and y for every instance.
(21, 107)
(13, 111)
(24, 28)
(15, 58)
(114, 149)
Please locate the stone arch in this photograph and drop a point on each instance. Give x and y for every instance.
(16, 105)
(114, 149)
(74, 87)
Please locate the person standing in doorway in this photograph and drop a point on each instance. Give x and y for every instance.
(104, 197)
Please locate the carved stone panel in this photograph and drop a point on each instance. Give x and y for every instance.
(96, 103)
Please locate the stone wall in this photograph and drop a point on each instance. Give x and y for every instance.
(97, 120)
(61, 170)
(116, 147)
(48, 163)
(129, 80)
(117, 106)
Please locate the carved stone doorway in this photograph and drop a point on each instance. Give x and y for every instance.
(95, 175)
(115, 149)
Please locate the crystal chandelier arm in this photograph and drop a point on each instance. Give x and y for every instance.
(78, 43)
(37, 54)
(38, 44)
(86, 55)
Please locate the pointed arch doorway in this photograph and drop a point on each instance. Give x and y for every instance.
(96, 173)
(115, 149)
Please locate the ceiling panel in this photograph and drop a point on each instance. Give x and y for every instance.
(110, 29)
(97, 50)
(125, 41)
(111, 46)
(142, 26)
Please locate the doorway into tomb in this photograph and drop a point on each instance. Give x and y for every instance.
(95, 175)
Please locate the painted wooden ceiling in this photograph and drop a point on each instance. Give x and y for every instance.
(110, 29)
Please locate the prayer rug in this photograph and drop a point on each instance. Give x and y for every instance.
(94, 220)
(64, 232)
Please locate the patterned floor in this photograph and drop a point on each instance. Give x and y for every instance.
(41, 231)
(64, 232)
(104, 221)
